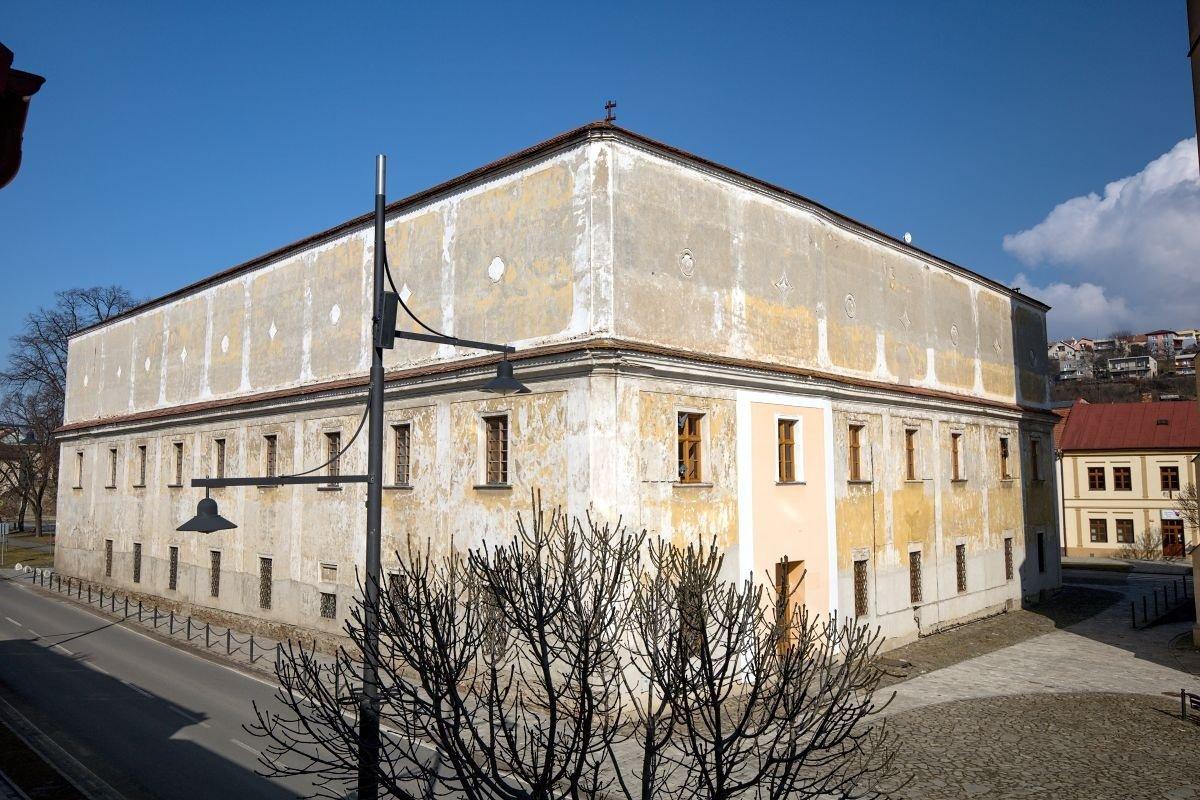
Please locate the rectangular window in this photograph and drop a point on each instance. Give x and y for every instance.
(689, 448)
(861, 606)
(329, 573)
(960, 564)
(141, 481)
(1095, 479)
(79, 469)
(1008, 558)
(264, 582)
(914, 577)
(112, 467)
(1125, 531)
(1004, 473)
(271, 443)
(1169, 478)
(137, 562)
(787, 450)
(1123, 479)
(854, 452)
(328, 605)
(108, 558)
(219, 457)
(173, 569)
(956, 456)
(403, 436)
(496, 450)
(1098, 530)
(214, 573)
(178, 464)
(1041, 544)
(333, 446)
(1172, 538)
(910, 454)
(1035, 459)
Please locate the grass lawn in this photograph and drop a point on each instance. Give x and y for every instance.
(27, 556)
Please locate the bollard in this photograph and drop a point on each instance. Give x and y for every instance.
(278, 652)
(206, 632)
(228, 638)
(171, 624)
(156, 618)
(189, 628)
(126, 606)
(89, 594)
(139, 610)
(102, 597)
(252, 648)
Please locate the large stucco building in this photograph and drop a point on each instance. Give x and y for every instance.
(709, 356)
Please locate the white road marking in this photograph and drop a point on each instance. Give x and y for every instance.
(65, 650)
(35, 633)
(14, 622)
(244, 746)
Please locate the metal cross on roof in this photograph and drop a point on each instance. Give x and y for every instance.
(609, 116)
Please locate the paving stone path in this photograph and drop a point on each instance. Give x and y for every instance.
(1091, 711)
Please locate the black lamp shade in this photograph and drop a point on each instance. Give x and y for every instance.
(504, 382)
(207, 520)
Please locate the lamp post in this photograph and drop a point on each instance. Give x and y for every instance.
(384, 333)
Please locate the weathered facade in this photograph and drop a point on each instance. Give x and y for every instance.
(660, 303)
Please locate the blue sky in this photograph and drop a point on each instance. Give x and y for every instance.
(173, 140)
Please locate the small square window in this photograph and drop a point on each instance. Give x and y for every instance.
(1098, 530)
(1169, 478)
(1123, 479)
(329, 573)
(1125, 531)
(1095, 477)
(271, 455)
(333, 449)
(690, 446)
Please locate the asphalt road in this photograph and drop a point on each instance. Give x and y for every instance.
(151, 720)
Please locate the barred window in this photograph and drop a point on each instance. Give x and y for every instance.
(141, 481)
(214, 573)
(173, 573)
(137, 562)
(112, 467)
(861, 606)
(1004, 473)
(108, 550)
(496, 447)
(333, 448)
(219, 457)
(403, 437)
(1095, 477)
(960, 562)
(328, 605)
(1125, 531)
(787, 450)
(272, 454)
(914, 577)
(1008, 558)
(178, 464)
(1098, 530)
(264, 583)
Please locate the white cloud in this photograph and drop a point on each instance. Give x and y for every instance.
(1128, 258)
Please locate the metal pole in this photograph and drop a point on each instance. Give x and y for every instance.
(368, 704)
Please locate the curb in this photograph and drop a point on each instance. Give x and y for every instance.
(79, 776)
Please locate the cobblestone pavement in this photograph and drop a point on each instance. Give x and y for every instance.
(1088, 711)
(1066, 746)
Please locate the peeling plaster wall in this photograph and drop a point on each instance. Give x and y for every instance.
(511, 258)
(754, 276)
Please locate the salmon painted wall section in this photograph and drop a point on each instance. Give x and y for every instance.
(792, 519)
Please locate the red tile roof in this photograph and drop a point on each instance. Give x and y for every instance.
(1063, 415)
(1132, 426)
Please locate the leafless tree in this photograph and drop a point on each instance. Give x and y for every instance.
(33, 386)
(584, 660)
(1189, 506)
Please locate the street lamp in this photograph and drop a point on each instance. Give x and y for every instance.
(384, 334)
